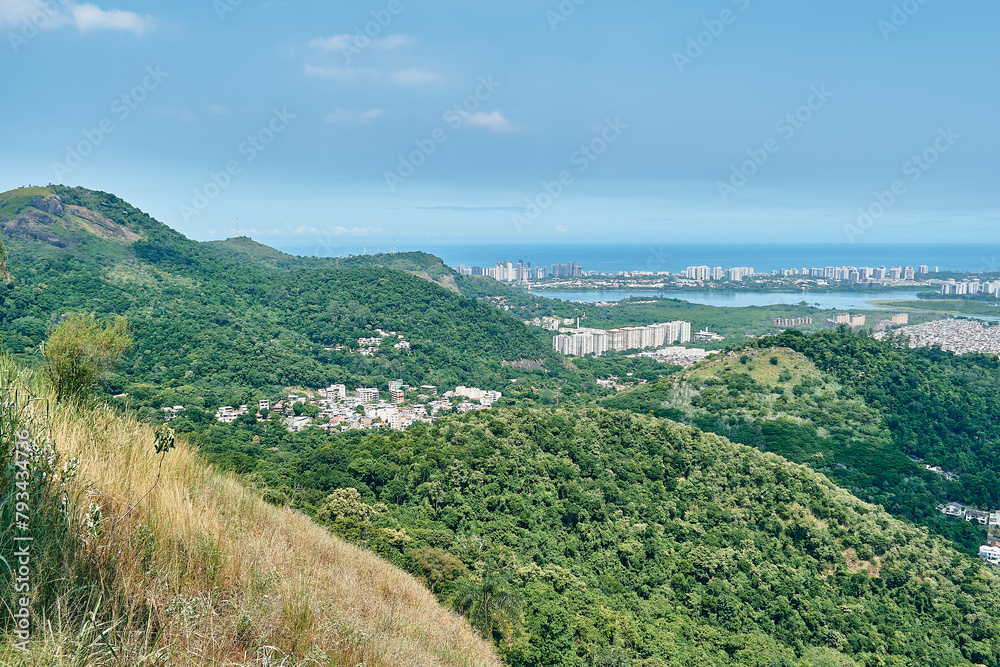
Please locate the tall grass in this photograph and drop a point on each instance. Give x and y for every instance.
(181, 565)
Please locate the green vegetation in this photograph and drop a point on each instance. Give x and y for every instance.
(777, 400)
(938, 406)
(80, 350)
(248, 252)
(4, 259)
(943, 306)
(633, 540)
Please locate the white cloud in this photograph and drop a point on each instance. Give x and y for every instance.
(331, 71)
(218, 109)
(91, 17)
(338, 42)
(415, 76)
(394, 41)
(561, 229)
(350, 116)
(36, 12)
(493, 120)
(334, 43)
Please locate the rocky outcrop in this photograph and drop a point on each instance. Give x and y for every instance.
(47, 220)
(34, 225)
(101, 225)
(50, 204)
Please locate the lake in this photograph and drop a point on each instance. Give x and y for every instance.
(824, 300)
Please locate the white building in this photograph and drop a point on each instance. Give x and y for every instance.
(367, 394)
(990, 554)
(582, 341)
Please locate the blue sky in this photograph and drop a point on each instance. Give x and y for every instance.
(330, 125)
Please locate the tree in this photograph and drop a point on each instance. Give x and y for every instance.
(80, 350)
(490, 603)
(4, 271)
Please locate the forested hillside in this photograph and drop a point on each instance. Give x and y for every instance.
(210, 324)
(778, 400)
(938, 406)
(633, 540)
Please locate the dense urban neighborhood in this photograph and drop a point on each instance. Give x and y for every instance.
(954, 335)
(332, 409)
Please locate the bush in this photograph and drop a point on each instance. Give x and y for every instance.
(80, 350)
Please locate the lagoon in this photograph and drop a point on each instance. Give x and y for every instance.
(744, 298)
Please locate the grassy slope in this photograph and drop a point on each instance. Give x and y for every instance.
(219, 576)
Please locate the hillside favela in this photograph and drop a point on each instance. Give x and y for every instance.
(521, 334)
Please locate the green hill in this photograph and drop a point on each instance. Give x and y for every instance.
(634, 540)
(251, 253)
(778, 400)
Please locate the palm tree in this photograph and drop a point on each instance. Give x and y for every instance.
(4, 272)
(490, 603)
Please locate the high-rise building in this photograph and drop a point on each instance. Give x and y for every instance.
(718, 273)
(698, 272)
(923, 269)
(908, 273)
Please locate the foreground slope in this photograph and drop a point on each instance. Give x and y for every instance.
(184, 566)
(635, 540)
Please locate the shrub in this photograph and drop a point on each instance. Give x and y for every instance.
(80, 350)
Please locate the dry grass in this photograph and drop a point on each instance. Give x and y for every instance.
(201, 571)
